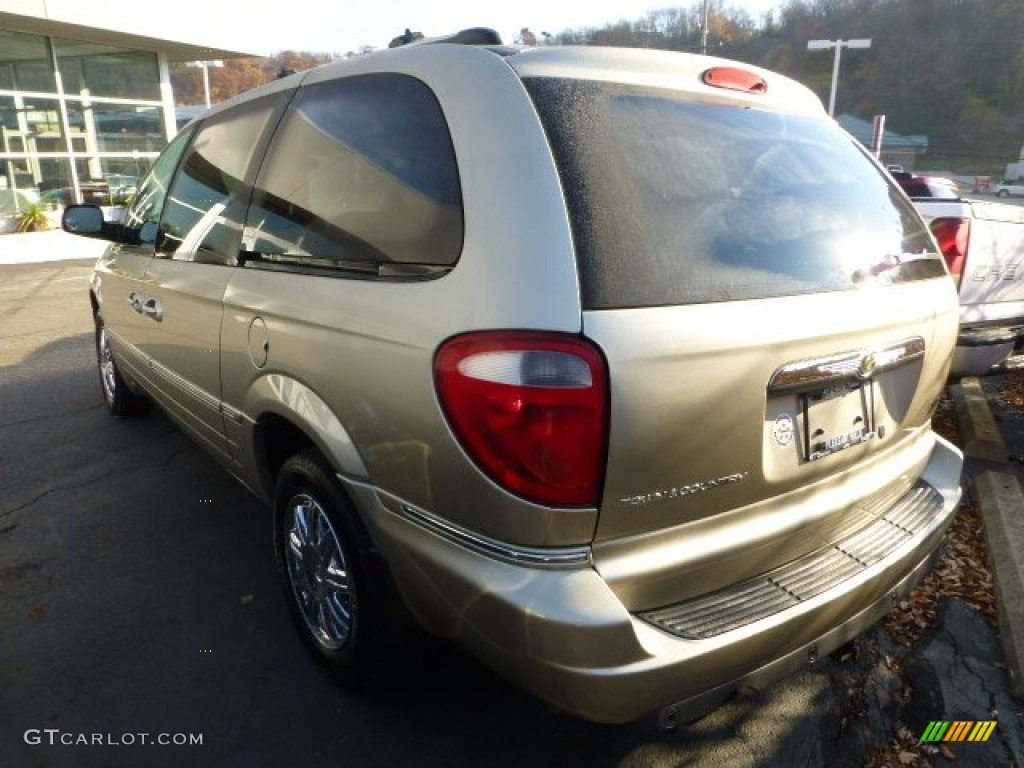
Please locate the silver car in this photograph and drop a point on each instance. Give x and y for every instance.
(615, 367)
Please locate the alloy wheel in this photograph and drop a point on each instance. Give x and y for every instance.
(108, 372)
(318, 572)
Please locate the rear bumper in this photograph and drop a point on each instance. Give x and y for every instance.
(981, 345)
(979, 359)
(986, 334)
(561, 632)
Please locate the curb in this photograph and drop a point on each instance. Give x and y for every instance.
(978, 427)
(1000, 502)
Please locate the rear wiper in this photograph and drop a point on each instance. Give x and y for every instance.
(362, 267)
(305, 260)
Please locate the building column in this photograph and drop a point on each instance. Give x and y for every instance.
(167, 96)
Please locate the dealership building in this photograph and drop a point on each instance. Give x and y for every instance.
(84, 109)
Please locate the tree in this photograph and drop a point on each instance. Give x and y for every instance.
(237, 75)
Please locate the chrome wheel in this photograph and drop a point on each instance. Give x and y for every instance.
(108, 373)
(318, 572)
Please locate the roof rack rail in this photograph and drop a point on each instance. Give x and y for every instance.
(471, 36)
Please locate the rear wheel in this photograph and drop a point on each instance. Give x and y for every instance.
(335, 587)
(121, 401)
(1002, 193)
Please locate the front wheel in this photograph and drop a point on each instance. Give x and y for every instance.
(1002, 193)
(331, 579)
(121, 401)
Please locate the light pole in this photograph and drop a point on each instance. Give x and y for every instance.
(205, 65)
(704, 30)
(824, 45)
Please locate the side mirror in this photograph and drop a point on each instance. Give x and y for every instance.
(86, 220)
(148, 233)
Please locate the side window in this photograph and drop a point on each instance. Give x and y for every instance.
(148, 203)
(361, 171)
(202, 220)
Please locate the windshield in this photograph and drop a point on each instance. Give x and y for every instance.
(676, 201)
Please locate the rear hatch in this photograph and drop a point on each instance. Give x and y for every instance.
(776, 321)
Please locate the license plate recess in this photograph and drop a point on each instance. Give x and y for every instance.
(835, 418)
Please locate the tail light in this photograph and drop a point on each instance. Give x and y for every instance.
(952, 236)
(530, 409)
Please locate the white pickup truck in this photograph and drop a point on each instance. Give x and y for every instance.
(983, 244)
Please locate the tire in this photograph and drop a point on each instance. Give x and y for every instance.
(120, 400)
(336, 588)
(1002, 193)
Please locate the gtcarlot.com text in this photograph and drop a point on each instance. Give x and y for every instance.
(57, 737)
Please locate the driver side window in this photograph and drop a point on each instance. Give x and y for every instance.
(149, 200)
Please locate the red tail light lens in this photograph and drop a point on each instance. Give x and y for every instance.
(530, 409)
(952, 236)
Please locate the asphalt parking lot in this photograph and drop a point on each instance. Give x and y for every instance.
(139, 604)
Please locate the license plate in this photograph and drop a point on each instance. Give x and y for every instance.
(836, 418)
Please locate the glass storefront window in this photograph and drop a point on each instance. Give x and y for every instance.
(56, 188)
(25, 63)
(117, 127)
(102, 70)
(30, 124)
(91, 140)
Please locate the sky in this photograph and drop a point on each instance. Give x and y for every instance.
(338, 26)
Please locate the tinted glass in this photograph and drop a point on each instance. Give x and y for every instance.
(25, 63)
(102, 70)
(202, 219)
(31, 123)
(675, 201)
(149, 198)
(360, 170)
(116, 127)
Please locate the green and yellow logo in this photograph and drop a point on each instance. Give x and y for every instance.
(958, 730)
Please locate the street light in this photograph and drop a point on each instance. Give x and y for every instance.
(704, 31)
(206, 75)
(824, 45)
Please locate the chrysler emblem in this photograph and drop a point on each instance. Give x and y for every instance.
(867, 367)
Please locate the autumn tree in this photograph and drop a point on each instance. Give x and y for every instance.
(237, 75)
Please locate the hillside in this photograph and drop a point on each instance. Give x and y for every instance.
(949, 69)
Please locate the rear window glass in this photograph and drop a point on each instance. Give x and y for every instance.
(675, 201)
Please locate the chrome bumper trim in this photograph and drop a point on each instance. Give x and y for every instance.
(822, 371)
(537, 557)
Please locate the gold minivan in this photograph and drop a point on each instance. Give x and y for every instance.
(615, 367)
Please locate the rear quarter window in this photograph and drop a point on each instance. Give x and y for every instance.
(677, 201)
(361, 170)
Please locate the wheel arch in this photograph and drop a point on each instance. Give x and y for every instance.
(292, 419)
(289, 417)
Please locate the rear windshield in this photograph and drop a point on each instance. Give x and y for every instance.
(675, 201)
